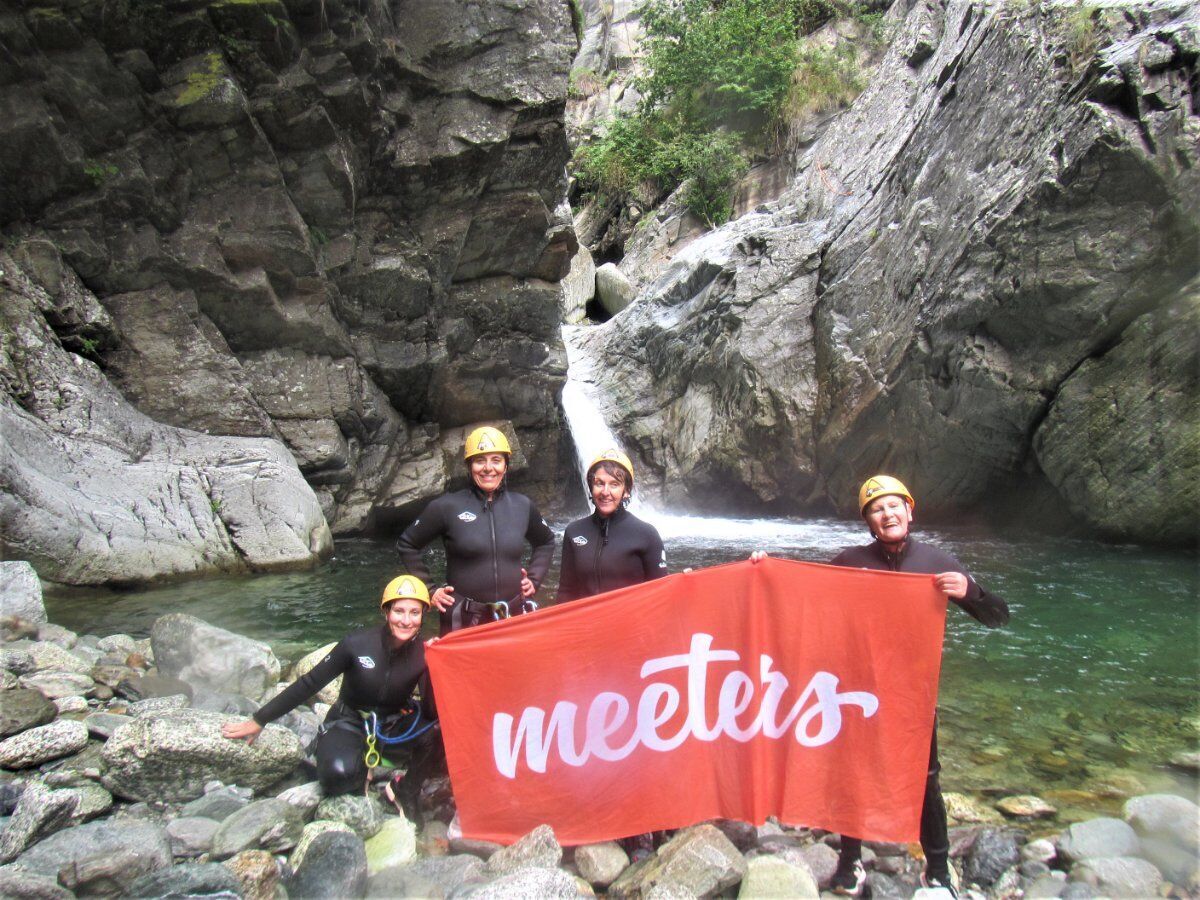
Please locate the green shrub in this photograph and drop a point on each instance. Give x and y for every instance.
(720, 74)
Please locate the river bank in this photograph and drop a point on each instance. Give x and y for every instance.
(115, 772)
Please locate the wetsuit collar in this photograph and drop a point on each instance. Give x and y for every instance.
(618, 513)
(893, 559)
(482, 495)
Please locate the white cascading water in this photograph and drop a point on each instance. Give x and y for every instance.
(592, 435)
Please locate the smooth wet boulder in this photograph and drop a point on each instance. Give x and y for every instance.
(189, 880)
(42, 744)
(40, 812)
(305, 797)
(21, 592)
(1026, 806)
(769, 876)
(204, 655)
(171, 756)
(393, 846)
(335, 866)
(600, 864)
(1165, 817)
(1117, 876)
(538, 849)
(699, 860)
(1095, 838)
(269, 824)
(22, 709)
(104, 857)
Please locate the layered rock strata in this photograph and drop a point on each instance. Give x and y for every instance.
(980, 278)
(334, 225)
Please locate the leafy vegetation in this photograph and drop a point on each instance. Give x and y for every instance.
(722, 76)
(100, 172)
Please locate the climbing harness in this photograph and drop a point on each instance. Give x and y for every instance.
(409, 732)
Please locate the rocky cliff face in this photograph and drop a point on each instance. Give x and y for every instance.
(337, 225)
(980, 278)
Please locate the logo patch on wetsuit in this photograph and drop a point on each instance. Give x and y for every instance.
(663, 564)
(579, 541)
(366, 662)
(468, 516)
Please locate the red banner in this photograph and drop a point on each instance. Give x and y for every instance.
(780, 688)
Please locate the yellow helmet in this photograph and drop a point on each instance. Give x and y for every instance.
(882, 486)
(405, 587)
(612, 455)
(485, 439)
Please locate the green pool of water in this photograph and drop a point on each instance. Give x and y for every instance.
(1081, 700)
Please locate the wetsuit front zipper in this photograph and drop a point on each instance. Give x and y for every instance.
(488, 505)
(387, 673)
(600, 545)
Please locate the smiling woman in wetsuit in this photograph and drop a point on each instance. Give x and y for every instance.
(485, 528)
(612, 548)
(380, 669)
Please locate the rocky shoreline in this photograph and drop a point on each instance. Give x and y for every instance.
(116, 781)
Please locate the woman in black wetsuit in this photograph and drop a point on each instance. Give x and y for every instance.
(485, 528)
(612, 548)
(381, 666)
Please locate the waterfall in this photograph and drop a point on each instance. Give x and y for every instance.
(592, 435)
(589, 431)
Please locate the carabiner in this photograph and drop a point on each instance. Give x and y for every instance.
(372, 757)
(528, 606)
(500, 609)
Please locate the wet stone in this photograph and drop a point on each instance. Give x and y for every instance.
(42, 744)
(191, 835)
(190, 880)
(55, 685)
(266, 824)
(993, 853)
(256, 872)
(217, 805)
(1098, 838)
(363, 814)
(1026, 806)
(600, 864)
(154, 705)
(103, 724)
(20, 884)
(335, 866)
(538, 849)
(22, 709)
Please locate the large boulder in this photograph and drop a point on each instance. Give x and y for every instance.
(700, 861)
(100, 858)
(1097, 838)
(204, 655)
(42, 744)
(171, 756)
(1167, 817)
(1117, 876)
(303, 666)
(334, 866)
(93, 491)
(770, 876)
(40, 812)
(21, 592)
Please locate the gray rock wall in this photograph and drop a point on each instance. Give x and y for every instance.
(332, 224)
(994, 238)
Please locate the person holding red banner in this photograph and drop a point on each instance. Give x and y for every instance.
(887, 508)
(612, 548)
(484, 528)
(380, 667)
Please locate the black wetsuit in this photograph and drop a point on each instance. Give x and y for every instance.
(602, 554)
(989, 609)
(378, 675)
(485, 541)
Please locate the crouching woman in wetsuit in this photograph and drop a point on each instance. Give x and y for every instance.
(484, 528)
(380, 666)
(612, 548)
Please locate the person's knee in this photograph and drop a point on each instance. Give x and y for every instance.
(340, 775)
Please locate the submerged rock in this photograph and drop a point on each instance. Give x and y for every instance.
(1098, 838)
(172, 755)
(201, 654)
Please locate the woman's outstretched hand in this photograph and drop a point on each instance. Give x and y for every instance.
(247, 730)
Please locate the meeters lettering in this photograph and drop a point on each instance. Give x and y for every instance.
(815, 718)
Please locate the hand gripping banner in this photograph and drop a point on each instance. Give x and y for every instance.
(780, 688)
